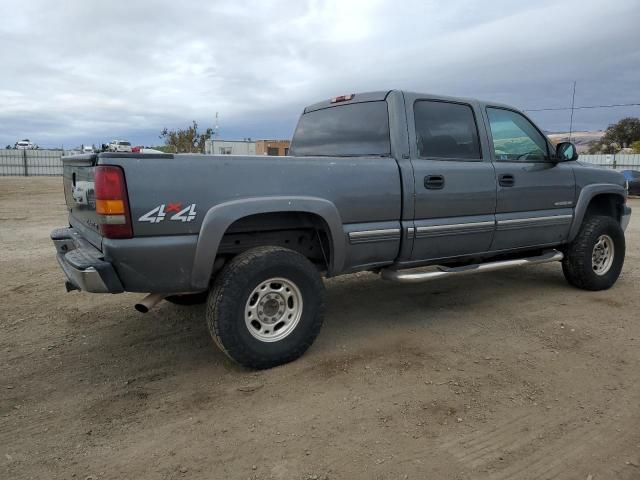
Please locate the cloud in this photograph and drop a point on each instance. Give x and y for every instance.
(86, 72)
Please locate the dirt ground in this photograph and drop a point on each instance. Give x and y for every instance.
(507, 375)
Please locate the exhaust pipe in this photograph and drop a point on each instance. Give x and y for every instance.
(148, 302)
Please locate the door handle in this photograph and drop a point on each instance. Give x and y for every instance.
(434, 182)
(506, 180)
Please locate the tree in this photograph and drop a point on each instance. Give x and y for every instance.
(600, 147)
(636, 146)
(165, 148)
(187, 140)
(618, 136)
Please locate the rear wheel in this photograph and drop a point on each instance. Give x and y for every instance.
(266, 307)
(594, 259)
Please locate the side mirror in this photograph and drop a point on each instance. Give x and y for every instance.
(566, 152)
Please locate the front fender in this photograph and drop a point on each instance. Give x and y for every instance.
(586, 194)
(219, 218)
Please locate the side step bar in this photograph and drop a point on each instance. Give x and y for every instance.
(412, 276)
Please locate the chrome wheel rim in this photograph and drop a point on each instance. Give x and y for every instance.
(602, 255)
(273, 309)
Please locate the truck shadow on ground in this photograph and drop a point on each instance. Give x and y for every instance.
(357, 305)
(371, 302)
(167, 357)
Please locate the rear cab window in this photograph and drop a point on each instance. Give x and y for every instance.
(356, 129)
(446, 130)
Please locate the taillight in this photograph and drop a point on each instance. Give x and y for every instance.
(112, 205)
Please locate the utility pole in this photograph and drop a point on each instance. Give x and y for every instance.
(214, 136)
(573, 101)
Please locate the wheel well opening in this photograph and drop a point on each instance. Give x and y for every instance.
(304, 232)
(607, 204)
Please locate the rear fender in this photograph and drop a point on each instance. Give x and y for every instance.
(219, 218)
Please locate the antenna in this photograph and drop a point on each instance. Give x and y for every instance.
(573, 102)
(216, 127)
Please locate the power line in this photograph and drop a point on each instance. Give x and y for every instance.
(583, 107)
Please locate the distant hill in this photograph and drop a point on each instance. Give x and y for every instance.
(582, 140)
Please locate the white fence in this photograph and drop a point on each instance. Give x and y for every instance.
(30, 162)
(617, 162)
(49, 162)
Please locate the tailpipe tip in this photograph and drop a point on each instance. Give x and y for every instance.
(148, 302)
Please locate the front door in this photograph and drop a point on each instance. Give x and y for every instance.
(535, 195)
(455, 185)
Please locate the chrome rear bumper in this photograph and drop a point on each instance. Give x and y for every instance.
(83, 264)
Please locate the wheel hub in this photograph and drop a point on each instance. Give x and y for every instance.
(273, 309)
(602, 255)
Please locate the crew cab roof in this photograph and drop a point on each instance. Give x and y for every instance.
(382, 95)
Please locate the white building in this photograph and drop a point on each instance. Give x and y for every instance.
(230, 147)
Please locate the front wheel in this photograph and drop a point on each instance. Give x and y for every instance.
(594, 259)
(266, 307)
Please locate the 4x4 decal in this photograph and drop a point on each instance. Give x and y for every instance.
(161, 212)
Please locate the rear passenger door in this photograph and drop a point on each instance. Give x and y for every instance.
(455, 184)
(535, 195)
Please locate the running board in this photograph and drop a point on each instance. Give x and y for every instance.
(411, 276)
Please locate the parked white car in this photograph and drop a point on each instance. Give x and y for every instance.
(120, 146)
(88, 149)
(25, 144)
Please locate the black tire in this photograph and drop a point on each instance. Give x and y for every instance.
(241, 278)
(577, 264)
(188, 299)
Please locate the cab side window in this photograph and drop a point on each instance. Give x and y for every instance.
(515, 139)
(446, 130)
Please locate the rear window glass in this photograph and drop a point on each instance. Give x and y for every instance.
(446, 130)
(348, 130)
(126, 144)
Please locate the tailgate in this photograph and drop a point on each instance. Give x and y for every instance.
(80, 196)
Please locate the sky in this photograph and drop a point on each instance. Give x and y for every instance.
(88, 71)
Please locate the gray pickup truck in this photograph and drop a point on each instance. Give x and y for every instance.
(412, 186)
